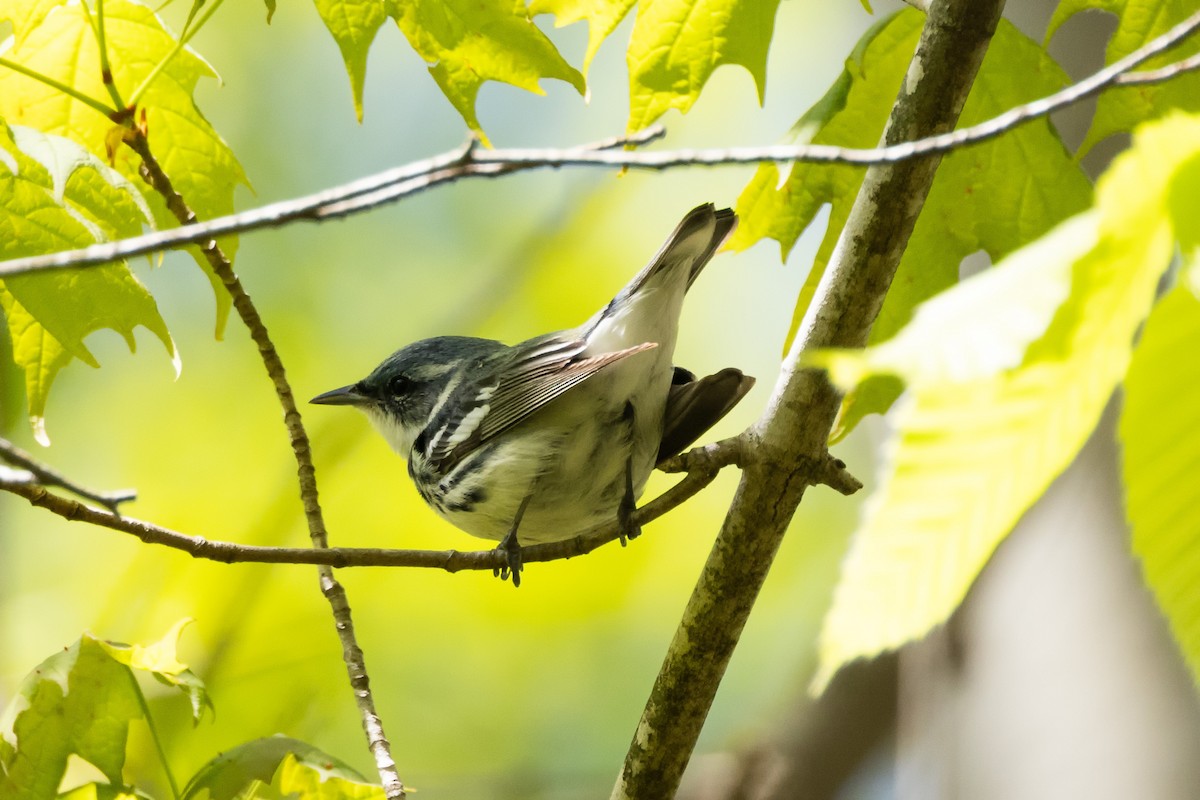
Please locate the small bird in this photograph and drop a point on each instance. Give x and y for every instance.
(548, 438)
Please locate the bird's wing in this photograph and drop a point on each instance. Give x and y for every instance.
(486, 407)
(694, 406)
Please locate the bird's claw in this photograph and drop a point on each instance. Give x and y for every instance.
(512, 555)
(627, 526)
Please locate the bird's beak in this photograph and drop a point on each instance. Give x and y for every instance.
(345, 396)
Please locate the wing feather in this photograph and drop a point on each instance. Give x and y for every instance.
(487, 408)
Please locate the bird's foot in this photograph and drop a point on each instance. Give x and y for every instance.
(512, 554)
(627, 526)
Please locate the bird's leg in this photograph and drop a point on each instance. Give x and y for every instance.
(512, 548)
(627, 527)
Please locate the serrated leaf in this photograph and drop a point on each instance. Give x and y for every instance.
(38, 354)
(353, 25)
(160, 660)
(984, 326)
(676, 45)
(79, 701)
(1160, 441)
(63, 47)
(73, 203)
(603, 17)
(98, 191)
(992, 197)
(1184, 205)
(970, 456)
(1138, 21)
(257, 762)
(466, 43)
(28, 15)
(69, 201)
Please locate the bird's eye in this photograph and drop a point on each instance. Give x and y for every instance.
(399, 385)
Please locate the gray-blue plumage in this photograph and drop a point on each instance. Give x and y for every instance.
(555, 435)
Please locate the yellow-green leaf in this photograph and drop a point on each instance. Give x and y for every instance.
(984, 325)
(1160, 436)
(353, 24)
(38, 354)
(1160, 440)
(466, 42)
(63, 47)
(102, 791)
(99, 192)
(975, 446)
(313, 781)
(676, 45)
(160, 659)
(27, 15)
(78, 701)
(992, 197)
(603, 17)
(1138, 21)
(258, 763)
(73, 203)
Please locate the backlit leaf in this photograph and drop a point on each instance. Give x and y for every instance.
(1160, 440)
(76, 202)
(466, 43)
(976, 445)
(992, 197)
(63, 47)
(603, 17)
(1138, 21)
(353, 24)
(676, 45)
(259, 762)
(78, 701)
(1160, 434)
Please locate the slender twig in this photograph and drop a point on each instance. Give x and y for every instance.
(352, 654)
(308, 207)
(394, 184)
(1159, 75)
(700, 465)
(48, 476)
(804, 404)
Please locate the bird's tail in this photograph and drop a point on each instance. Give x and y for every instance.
(694, 241)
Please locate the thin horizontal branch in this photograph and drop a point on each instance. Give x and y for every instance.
(1159, 75)
(48, 476)
(469, 162)
(701, 464)
(309, 207)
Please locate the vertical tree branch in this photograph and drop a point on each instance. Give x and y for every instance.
(789, 441)
(352, 655)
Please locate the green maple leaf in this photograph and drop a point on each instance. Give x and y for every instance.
(992, 197)
(677, 44)
(467, 42)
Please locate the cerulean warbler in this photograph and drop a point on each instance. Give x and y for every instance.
(558, 434)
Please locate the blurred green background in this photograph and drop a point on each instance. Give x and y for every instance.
(485, 691)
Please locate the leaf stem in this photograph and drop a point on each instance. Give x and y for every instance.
(62, 87)
(189, 30)
(158, 746)
(106, 74)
